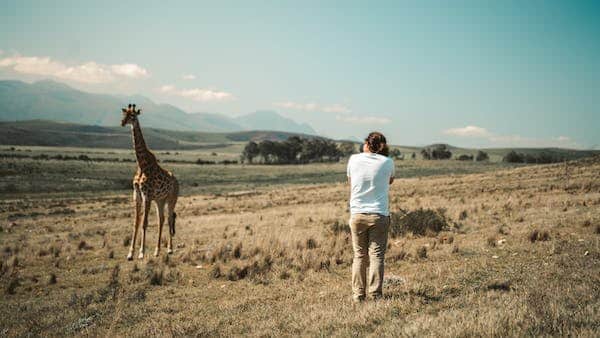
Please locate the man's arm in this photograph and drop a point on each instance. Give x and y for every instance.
(348, 170)
(392, 172)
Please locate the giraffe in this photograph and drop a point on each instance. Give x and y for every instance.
(150, 183)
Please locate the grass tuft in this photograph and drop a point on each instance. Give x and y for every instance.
(51, 279)
(504, 285)
(536, 235)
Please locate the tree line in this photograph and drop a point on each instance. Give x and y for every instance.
(296, 150)
(541, 158)
(441, 152)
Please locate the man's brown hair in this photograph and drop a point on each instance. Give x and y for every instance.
(377, 143)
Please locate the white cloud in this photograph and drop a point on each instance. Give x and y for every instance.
(359, 119)
(189, 77)
(336, 108)
(197, 94)
(468, 131)
(166, 89)
(511, 140)
(88, 72)
(129, 70)
(311, 106)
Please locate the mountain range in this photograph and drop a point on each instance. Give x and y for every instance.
(51, 100)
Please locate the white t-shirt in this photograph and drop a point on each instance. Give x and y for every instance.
(370, 175)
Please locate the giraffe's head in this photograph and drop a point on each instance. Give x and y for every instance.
(130, 115)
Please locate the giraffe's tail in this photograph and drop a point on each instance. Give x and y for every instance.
(172, 218)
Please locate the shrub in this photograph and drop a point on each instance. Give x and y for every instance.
(237, 251)
(436, 152)
(215, 272)
(396, 153)
(482, 156)
(536, 235)
(236, 273)
(338, 227)
(311, 243)
(465, 157)
(441, 152)
(84, 246)
(426, 154)
(418, 222)
(155, 276)
(513, 157)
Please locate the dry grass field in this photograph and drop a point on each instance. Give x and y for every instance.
(506, 252)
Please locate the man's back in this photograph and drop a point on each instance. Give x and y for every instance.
(370, 175)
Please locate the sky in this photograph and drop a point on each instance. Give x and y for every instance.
(468, 73)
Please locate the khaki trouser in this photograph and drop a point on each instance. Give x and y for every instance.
(369, 240)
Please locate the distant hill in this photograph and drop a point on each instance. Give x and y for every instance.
(51, 133)
(258, 120)
(55, 101)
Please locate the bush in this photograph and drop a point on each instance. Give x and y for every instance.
(513, 157)
(437, 152)
(536, 235)
(465, 157)
(396, 153)
(482, 156)
(419, 222)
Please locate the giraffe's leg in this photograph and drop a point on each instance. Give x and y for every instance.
(160, 211)
(172, 216)
(137, 200)
(147, 202)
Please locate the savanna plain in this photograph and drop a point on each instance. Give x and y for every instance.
(475, 249)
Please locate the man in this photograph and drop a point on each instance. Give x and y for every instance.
(370, 174)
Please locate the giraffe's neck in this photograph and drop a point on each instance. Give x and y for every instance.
(144, 156)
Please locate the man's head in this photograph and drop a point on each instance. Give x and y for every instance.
(376, 143)
(130, 115)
